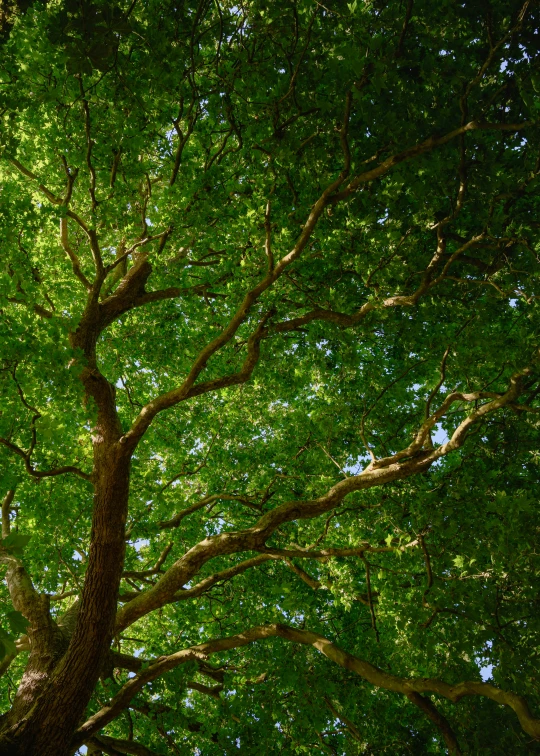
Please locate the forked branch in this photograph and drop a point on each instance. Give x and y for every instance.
(377, 677)
(406, 463)
(42, 473)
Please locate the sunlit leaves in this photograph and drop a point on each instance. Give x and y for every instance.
(260, 88)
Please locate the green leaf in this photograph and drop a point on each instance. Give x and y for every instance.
(16, 543)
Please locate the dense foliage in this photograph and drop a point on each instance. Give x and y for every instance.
(269, 316)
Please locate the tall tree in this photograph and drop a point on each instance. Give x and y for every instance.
(269, 376)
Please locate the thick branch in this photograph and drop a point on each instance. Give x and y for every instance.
(410, 461)
(33, 605)
(374, 675)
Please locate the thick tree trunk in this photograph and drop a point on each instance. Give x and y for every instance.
(51, 702)
(57, 685)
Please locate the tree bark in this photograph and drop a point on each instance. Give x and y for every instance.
(55, 692)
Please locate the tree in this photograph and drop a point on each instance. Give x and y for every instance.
(269, 375)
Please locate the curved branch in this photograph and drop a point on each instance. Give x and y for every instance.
(38, 309)
(32, 604)
(425, 705)
(153, 570)
(458, 437)
(406, 463)
(175, 521)
(420, 149)
(374, 675)
(267, 554)
(219, 577)
(398, 300)
(329, 196)
(188, 389)
(90, 233)
(43, 473)
(75, 263)
(50, 196)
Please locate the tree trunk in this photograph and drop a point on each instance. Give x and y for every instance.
(51, 702)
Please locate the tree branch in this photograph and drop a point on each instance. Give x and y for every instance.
(369, 672)
(50, 196)
(33, 605)
(425, 705)
(43, 473)
(75, 263)
(420, 149)
(410, 461)
(90, 233)
(115, 746)
(175, 521)
(165, 401)
(6, 511)
(220, 577)
(89, 145)
(136, 245)
(155, 569)
(328, 196)
(188, 390)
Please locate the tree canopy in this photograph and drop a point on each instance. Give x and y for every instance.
(269, 377)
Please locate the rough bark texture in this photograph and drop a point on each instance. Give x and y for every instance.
(56, 688)
(66, 658)
(59, 681)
